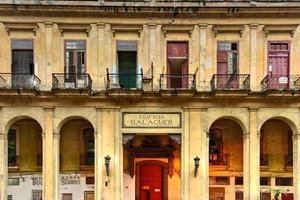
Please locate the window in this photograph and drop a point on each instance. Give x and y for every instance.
(289, 157)
(239, 180)
(227, 58)
(67, 196)
(216, 156)
(89, 146)
(127, 64)
(89, 195)
(239, 195)
(177, 64)
(74, 60)
(36, 194)
(284, 181)
(265, 181)
(9, 197)
(12, 148)
(265, 196)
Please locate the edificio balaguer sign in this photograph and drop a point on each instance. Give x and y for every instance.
(151, 120)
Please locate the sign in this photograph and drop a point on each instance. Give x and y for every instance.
(151, 120)
(283, 80)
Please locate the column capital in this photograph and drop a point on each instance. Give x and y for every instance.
(253, 109)
(296, 136)
(100, 25)
(48, 24)
(253, 26)
(152, 26)
(49, 108)
(56, 135)
(107, 108)
(203, 26)
(246, 136)
(3, 136)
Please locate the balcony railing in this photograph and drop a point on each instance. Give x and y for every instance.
(72, 81)
(289, 160)
(219, 159)
(264, 160)
(87, 159)
(230, 82)
(272, 82)
(13, 161)
(124, 80)
(19, 81)
(173, 81)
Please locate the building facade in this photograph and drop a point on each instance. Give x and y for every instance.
(149, 100)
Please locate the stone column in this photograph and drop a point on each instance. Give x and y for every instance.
(197, 135)
(253, 56)
(49, 51)
(101, 67)
(3, 166)
(246, 160)
(254, 148)
(98, 156)
(186, 161)
(49, 157)
(203, 58)
(204, 158)
(296, 165)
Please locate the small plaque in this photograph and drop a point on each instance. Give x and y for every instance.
(283, 80)
(156, 190)
(151, 120)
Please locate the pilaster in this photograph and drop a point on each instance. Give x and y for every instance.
(203, 57)
(49, 156)
(101, 46)
(296, 163)
(3, 166)
(48, 53)
(98, 156)
(253, 56)
(253, 153)
(186, 161)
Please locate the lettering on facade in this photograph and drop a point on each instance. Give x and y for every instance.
(151, 120)
(37, 180)
(70, 180)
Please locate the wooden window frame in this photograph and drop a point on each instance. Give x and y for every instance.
(237, 51)
(15, 168)
(85, 54)
(268, 52)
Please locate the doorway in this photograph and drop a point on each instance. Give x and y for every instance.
(152, 180)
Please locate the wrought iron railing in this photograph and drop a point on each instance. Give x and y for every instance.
(71, 81)
(13, 161)
(264, 160)
(274, 82)
(219, 159)
(230, 82)
(289, 160)
(87, 159)
(19, 81)
(124, 80)
(173, 81)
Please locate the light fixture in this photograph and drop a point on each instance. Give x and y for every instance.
(196, 160)
(107, 159)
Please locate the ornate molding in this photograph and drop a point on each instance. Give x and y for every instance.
(100, 25)
(48, 24)
(203, 26)
(280, 29)
(176, 138)
(228, 29)
(126, 28)
(127, 137)
(68, 27)
(152, 26)
(253, 26)
(177, 29)
(253, 109)
(19, 26)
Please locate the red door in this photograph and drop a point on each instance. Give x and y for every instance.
(278, 65)
(150, 182)
(222, 69)
(287, 197)
(177, 53)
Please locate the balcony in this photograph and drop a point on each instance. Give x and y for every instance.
(71, 81)
(87, 161)
(124, 83)
(288, 162)
(220, 161)
(264, 161)
(230, 82)
(20, 81)
(182, 84)
(280, 83)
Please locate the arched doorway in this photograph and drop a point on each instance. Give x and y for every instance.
(24, 160)
(77, 155)
(276, 159)
(225, 160)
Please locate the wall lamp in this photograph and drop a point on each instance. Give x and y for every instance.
(107, 160)
(196, 160)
